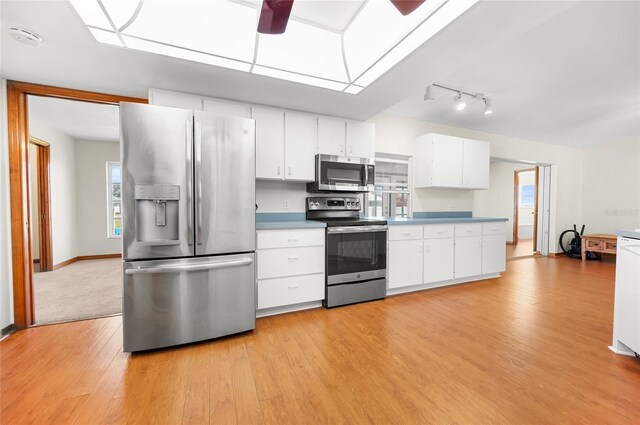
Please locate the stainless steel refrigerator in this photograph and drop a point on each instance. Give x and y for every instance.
(188, 194)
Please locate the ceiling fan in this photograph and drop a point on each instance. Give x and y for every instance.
(274, 14)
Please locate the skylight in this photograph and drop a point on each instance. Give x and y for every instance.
(317, 49)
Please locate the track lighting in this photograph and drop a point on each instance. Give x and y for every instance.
(428, 95)
(459, 102)
(488, 106)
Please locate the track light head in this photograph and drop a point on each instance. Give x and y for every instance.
(458, 102)
(428, 94)
(488, 106)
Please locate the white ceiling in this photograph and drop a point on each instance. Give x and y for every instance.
(79, 120)
(574, 80)
(559, 72)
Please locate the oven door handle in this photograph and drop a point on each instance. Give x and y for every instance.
(356, 229)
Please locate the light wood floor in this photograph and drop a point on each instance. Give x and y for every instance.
(523, 248)
(529, 348)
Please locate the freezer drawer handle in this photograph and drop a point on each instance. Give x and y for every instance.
(191, 268)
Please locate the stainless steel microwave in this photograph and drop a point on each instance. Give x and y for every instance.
(343, 174)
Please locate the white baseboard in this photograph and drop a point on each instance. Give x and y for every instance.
(620, 348)
(412, 288)
(288, 309)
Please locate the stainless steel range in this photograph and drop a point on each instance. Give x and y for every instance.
(356, 251)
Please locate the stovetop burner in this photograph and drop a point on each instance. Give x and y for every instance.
(339, 211)
(339, 222)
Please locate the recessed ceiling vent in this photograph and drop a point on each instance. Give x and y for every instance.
(25, 36)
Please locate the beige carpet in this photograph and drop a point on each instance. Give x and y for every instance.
(82, 290)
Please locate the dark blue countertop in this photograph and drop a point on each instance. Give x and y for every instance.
(444, 220)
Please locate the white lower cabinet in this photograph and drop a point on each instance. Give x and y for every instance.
(290, 290)
(435, 254)
(405, 263)
(494, 252)
(290, 267)
(438, 260)
(468, 257)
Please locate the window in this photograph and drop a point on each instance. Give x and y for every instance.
(114, 200)
(390, 197)
(527, 195)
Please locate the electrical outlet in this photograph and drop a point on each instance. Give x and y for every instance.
(285, 204)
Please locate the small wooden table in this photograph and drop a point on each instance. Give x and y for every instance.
(602, 243)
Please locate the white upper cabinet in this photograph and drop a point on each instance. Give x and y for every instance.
(299, 146)
(269, 143)
(175, 100)
(451, 162)
(224, 107)
(332, 136)
(346, 138)
(361, 139)
(285, 145)
(475, 161)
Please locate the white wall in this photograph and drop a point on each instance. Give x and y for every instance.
(497, 201)
(91, 186)
(63, 190)
(396, 135)
(6, 277)
(611, 178)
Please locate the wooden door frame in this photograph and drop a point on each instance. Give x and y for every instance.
(18, 138)
(516, 204)
(43, 176)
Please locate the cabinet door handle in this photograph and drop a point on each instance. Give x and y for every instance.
(278, 170)
(350, 149)
(292, 286)
(289, 169)
(341, 149)
(292, 258)
(293, 239)
(407, 233)
(439, 233)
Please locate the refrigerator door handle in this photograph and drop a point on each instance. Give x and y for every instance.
(189, 155)
(198, 149)
(191, 268)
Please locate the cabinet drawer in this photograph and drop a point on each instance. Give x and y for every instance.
(402, 232)
(290, 290)
(290, 261)
(472, 229)
(594, 244)
(611, 247)
(497, 228)
(290, 238)
(434, 231)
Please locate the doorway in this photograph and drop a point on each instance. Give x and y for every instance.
(40, 197)
(525, 213)
(21, 216)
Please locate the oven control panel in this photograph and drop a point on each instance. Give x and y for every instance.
(333, 204)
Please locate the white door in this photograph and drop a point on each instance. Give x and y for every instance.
(331, 136)
(446, 161)
(361, 139)
(494, 252)
(475, 164)
(405, 263)
(438, 260)
(299, 146)
(269, 143)
(468, 257)
(222, 107)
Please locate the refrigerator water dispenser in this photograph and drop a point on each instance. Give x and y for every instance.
(157, 218)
